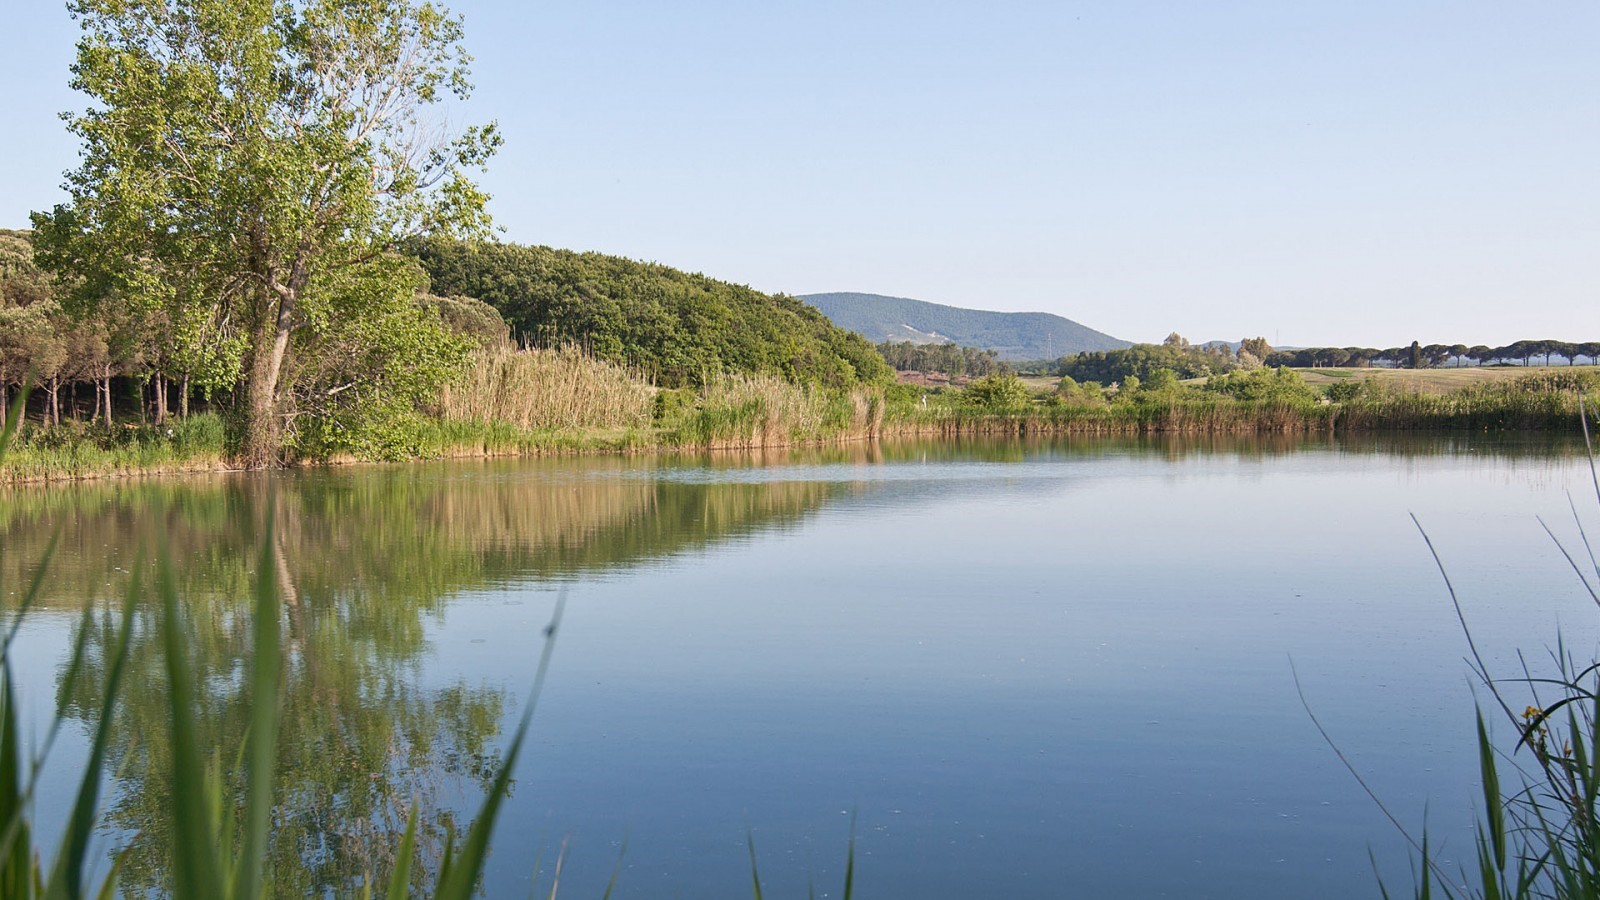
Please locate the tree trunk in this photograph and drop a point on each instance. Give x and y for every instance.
(262, 443)
(183, 397)
(107, 384)
(161, 399)
(52, 413)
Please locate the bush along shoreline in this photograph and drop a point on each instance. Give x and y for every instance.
(513, 400)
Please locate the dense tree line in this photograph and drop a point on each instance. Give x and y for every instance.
(1175, 355)
(349, 382)
(678, 328)
(1432, 356)
(1188, 361)
(949, 359)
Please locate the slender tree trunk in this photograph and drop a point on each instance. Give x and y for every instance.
(52, 412)
(107, 384)
(72, 399)
(161, 399)
(183, 397)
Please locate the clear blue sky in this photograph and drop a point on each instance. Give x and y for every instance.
(1359, 172)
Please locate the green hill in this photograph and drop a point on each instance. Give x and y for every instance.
(1012, 335)
(676, 326)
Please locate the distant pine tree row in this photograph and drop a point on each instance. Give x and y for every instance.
(1433, 356)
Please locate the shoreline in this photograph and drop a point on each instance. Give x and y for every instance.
(604, 442)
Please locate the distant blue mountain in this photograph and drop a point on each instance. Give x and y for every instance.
(1012, 335)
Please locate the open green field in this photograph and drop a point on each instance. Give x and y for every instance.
(1432, 381)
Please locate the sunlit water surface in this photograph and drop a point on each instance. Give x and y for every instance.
(1047, 669)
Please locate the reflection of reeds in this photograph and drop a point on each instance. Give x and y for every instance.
(390, 540)
(219, 830)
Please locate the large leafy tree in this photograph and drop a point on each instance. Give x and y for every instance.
(248, 166)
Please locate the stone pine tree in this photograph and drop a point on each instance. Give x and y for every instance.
(247, 167)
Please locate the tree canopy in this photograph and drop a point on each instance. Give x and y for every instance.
(677, 327)
(247, 168)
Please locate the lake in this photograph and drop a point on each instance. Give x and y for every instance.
(1049, 668)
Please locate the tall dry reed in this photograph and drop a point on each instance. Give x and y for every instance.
(740, 412)
(535, 389)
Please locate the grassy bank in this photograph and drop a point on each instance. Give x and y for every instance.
(518, 401)
(76, 450)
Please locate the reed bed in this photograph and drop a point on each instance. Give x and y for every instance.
(743, 412)
(532, 390)
(1544, 401)
(1179, 413)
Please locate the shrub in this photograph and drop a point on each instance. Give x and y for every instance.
(999, 394)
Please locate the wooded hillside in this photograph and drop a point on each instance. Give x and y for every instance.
(677, 327)
(1011, 335)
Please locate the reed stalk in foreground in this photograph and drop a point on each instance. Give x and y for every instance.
(1539, 835)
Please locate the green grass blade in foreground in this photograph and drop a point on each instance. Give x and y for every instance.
(66, 878)
(616, 873)
(459, 881)
(16, 869)
(262, 739)
(14, 414)
(400, 875)
(1494, 810)
(755, 873)
(850, 861)
(196, 863)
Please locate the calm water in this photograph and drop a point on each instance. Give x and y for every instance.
(1024, 670)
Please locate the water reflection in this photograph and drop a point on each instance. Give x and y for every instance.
(371, 559)
(365, 558)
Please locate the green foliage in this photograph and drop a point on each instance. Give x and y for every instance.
(1141, 360)
(245, 161)
(999, 394)
(1279, 385)
(468, 317)
(679, 329)
(1343, 391)
(950, 359)
(1161, 381)
(369, 365)
(671, 403)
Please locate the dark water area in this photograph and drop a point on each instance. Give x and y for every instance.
(1026, 669)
